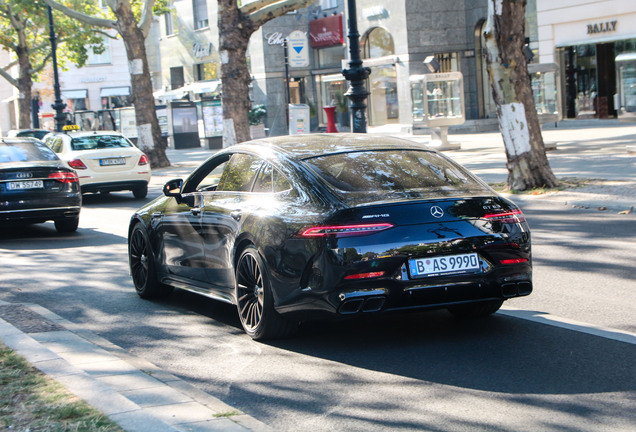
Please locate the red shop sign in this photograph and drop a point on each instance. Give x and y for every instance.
(324, 32)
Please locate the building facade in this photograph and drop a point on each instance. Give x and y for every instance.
(594, 43)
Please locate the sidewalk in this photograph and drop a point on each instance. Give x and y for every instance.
(140, 397)
(134, 393)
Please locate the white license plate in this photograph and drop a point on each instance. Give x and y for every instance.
(434, 266)
(112, 161)
(27, 184)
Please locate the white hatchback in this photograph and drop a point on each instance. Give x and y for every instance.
(105, 161)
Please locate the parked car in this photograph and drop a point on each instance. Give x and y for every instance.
(36, 186)
(292, 227)
(105, 161)
(33, 133)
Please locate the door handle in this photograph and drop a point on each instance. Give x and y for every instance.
(236, 215)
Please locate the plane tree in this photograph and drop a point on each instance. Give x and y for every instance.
(236, 25)
(24, 31)
(528, 165)
(131, 20)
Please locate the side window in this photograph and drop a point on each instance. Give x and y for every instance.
(263, 182)
(280, 183)
(56, 144)
(239, 173)
(211, 181)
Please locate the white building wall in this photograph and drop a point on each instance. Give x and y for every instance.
(566, 22)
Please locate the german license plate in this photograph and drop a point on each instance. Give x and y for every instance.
(435, 266)
(27, 184)
(112, 161)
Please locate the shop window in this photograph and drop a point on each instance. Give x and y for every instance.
(330, 56)
(383, 99)
(176, 77)
(200, 11)
(447, 62)
(332, 88)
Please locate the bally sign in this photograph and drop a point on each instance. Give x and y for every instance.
(603, 27)
(326, 31)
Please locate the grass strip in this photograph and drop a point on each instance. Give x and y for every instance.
(31, 401)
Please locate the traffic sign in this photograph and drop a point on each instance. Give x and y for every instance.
(298, 49)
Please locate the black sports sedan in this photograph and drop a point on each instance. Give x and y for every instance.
(297, 227)
(36, 186)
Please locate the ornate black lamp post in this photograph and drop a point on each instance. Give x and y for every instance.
(356, 74)
(58, 106)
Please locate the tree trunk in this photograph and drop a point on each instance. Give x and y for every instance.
(148, 132)
(235, 77)
(528, 166)
(25, 83)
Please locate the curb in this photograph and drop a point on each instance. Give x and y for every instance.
(132, 392)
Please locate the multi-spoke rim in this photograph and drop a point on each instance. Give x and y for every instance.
(250, 293)
(138, 259)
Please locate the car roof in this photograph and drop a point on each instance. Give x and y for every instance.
(90, 133)
(314, 145)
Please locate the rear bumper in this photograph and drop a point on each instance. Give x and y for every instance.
(39, 214)
(113, 186)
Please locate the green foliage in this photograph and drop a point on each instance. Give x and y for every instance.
(29, 19)
(257, 114)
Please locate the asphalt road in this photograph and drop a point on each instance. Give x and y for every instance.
(570, 366)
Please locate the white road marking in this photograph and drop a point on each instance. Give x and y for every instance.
(545, 318)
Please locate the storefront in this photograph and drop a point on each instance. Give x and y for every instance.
(595, 53)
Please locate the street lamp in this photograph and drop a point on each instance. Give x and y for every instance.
(356, 74)
(58, 106)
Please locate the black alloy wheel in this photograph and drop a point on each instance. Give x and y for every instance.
(254, 300)
(142, 266)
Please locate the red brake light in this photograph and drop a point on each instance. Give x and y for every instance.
(514, 261)
(143, 160)
(345, 230)
(64, 177)
(76, 164)
(365, 275)
(515, 216)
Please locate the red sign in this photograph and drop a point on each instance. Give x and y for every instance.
(324, 32)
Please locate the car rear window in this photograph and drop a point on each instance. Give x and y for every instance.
(99, 142)
(21, 151)
(391, 170)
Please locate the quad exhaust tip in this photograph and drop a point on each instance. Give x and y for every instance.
(362, 304)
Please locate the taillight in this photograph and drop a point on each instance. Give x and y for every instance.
(64, 177)
(76, 164)
(143, 160)
(515, 216)
(365, 275)
(345, 230)
(514, 261)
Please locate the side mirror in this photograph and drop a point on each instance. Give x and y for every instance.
(173, 188)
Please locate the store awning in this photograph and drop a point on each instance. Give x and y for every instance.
(115, 91)
(75, 94)
(210, 86)
(170, 94)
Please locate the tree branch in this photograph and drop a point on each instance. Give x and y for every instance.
(42, 64)
(4, 74)
(100, 22)
(146, 17)
(272, 9)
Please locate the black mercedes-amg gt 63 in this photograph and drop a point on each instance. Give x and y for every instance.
(295, 227)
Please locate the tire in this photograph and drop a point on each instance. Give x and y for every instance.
(476, 310)
(254, 300)
(140, 192)
(143, 267)
(67, 225)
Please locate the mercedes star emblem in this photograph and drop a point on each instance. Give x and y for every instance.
(437, 211)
